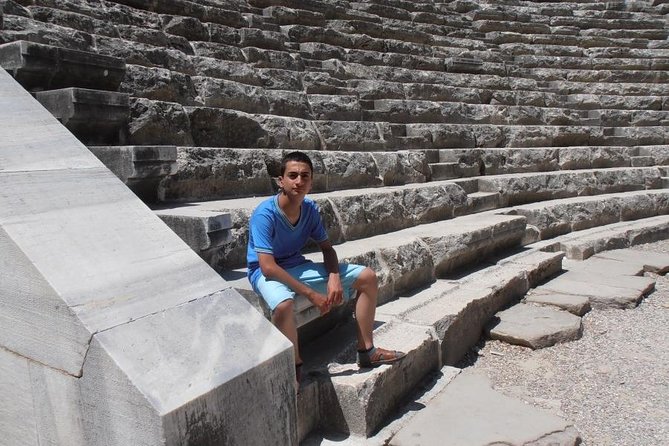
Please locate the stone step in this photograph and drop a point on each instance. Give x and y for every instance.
(447, 171)
(477, 414)
(356, 400)
(633, 88)
(501, 92)
(498, 161)
(523, 188)
(501, 37)
(584, 244)
(657, 76)
(528, 49)
(141, 168)
(588, 63)
(205, 173)
(203, 231)
(535, 326)
(552, 218)
(45, 67)
(603, 291)
(93, 116)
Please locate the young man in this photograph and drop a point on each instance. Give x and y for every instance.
(279, 228)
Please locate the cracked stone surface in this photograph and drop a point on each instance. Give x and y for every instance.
(469, 412)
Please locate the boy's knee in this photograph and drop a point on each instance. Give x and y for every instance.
(368, 278)
(283, 309)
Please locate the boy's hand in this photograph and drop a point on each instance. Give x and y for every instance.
(321, 302)
(335, 290)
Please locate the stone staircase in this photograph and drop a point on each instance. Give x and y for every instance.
(445, 136)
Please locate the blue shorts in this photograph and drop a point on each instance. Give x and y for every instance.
(311, 274)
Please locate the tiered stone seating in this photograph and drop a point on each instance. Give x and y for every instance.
(442, 134)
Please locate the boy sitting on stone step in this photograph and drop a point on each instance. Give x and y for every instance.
(278, 230)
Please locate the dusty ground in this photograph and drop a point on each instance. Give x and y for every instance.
(613, 383)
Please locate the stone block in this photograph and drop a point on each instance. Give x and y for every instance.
(471, 238)
(141, 168)
(530, 187)
(159, 84)
(350, 135)
(205, 173)
(288, 103)
(660, 153)
(607, 292)
(37, 66)
(535, 326)
(201, 231)
(18, 419)
(357, 400)
(228, 94)
(94, 116)
(155, 122)
(649, 261)
(470, 398)
(123, 306)
(578, 305)
(335, 107)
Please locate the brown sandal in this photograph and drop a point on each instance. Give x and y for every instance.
(375, 357)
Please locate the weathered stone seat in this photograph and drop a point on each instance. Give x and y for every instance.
(407, 259)
(657, 75)
(604, 88)
(141, 168)
(38, 66)
(530, 187)
(584, 244)
(94, 116)
(549, 219)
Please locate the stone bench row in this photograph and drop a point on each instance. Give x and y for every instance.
(659, 76)
(641, 26)
(155, 122)
(586, 243)
(408, 259)
(168, 174)
(589, 63)
(571, 87)
(528, 49)
(563, 13)
(164, 85)
(347, 71)
(497, 161)
(583, 41)
(356, 214)
(549, 219)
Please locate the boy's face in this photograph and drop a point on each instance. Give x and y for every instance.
(297, 179)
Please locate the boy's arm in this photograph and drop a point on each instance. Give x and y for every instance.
(335, 290)
(271, 270)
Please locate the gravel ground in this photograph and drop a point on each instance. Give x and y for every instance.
(613, 383)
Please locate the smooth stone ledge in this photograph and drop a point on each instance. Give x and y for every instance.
(651, 261)
(535, 326)
(600, 293)
(581, 245)
(578, 305)
(466, 402)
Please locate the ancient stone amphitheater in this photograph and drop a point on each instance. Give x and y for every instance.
(446, 135)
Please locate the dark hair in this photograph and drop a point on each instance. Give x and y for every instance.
(300, 157)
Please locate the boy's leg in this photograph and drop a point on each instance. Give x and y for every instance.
(365, 310)
(279, 299)
(283, 318)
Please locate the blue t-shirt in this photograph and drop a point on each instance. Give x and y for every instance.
(270, 232)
